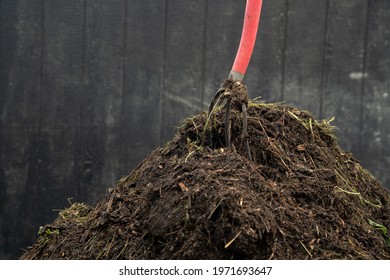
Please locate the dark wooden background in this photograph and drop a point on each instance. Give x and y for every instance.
(89, 87)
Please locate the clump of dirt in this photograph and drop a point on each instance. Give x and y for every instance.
(299, 197)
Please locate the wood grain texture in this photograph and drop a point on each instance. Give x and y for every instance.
(143, 63)
(62, 92)
(224, 22)
(343, 69)
(304, 52)
(375, 115)
(19, 124)
(265, 76)
(101, 107)
(182, 84)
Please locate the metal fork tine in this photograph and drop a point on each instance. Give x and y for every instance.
(245, 129)
(227, 123)
(215, 100)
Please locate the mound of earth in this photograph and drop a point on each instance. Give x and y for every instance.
(297, 196)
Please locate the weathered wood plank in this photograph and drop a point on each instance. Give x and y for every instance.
(20, 66)
(102, 103)
(224, 24)
(183, 65)
(343, 69)
(266, 70)
(375, 131)
(304, 53)
(142, 81)
(62, 92)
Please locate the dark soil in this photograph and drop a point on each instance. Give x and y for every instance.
(301, 197)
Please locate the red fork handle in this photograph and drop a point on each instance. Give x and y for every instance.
(248, 38)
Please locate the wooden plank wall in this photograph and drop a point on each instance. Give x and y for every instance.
(89, 87)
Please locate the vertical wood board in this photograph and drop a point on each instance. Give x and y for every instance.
(142, 81)
(375, 130)
(19, 124)
(183, 63)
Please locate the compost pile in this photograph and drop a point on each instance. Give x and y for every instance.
(300, 197)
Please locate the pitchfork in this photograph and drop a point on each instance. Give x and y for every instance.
(240, 65)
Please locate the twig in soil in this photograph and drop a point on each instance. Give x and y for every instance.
(187, 206)
(245, 130)
(234, 238)
(189, 154)
(307, 125)
(215, 208)
(358, 194)
(227, 123)
(303, 245)
(354, 191)
(123, 249)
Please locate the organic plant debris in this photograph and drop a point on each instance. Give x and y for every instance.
(300, 197)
